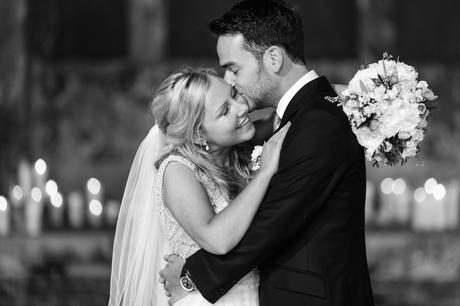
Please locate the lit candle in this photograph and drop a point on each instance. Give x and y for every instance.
(386, 214)
(111, 212)
(75, 205)
(41, 173)
(4, 217)
(25, 179)
(452, 202)
(402, 201)
(17, 207)
(94, 194)
(51, 188)
(57, 210)
(439, 195)
(94, 189)
(421, 218)
(95, 213)
(429, 208)
(16, 195)
(34, 212)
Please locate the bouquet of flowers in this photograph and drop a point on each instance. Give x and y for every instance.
(388, 109)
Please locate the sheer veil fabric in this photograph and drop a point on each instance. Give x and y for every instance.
(140, 242)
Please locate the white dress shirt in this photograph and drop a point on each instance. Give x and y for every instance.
(288, 95)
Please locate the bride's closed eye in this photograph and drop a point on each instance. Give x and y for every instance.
(225, 110)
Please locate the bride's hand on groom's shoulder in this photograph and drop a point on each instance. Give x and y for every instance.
(169, 277)
(271, 151)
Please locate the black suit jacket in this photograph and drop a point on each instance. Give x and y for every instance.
(307, 238)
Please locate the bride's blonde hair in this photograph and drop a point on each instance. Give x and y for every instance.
(178, 108)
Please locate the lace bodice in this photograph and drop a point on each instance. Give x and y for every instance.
(180, 242)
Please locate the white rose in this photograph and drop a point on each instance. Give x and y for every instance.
(429, 95)
(422, 85)
(418, 136)
(386, 67)
(390, 119)
(371, 140)
(410, 117)
(256, 153)
(378, 93)
(410, 149)
(362, 82)
(393, 93)
(406, 73)
(255, 157)
(422, 123)
(401, 116)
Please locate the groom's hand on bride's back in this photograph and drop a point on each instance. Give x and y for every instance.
(169, 277)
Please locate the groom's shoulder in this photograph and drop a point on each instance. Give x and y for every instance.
(322, 113)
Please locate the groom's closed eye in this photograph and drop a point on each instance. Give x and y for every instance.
(234, 93)
(232, 67)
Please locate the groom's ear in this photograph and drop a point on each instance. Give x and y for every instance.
(273, 58)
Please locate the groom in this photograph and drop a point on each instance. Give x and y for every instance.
(307, 238)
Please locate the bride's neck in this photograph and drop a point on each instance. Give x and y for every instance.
(221, 156)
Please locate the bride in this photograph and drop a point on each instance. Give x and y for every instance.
(190, 187)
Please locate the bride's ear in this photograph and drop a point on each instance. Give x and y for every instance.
(273, 58)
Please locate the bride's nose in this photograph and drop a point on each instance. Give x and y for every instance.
(242, 108)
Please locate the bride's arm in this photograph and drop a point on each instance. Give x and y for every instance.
(188, 202)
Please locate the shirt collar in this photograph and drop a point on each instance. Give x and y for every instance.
(288, 95)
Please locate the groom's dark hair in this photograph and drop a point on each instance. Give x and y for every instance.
(264, 24)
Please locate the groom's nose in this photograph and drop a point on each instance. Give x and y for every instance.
(229, 77)
(242, 108)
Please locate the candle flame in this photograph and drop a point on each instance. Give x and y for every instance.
(94, 186)
(36, 194)
(40, 166)
(95, 207)
(3, 203)
(17, 192)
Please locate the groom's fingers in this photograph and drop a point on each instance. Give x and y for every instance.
(170, 258)
(162, 273)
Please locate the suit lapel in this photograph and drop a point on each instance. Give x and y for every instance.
(303, 96)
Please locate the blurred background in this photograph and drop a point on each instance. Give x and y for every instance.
(76, 78)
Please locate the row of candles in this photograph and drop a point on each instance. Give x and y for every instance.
(35, 193)
(433, 206)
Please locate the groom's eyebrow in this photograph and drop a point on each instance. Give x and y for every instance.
(228, 65)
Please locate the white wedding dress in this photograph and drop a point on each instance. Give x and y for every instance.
(245, 292)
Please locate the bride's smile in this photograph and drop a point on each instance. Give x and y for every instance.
(244, 122)
(226, 120)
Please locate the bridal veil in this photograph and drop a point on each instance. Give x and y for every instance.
(140, 243)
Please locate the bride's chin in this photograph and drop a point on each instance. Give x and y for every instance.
(249, 133)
